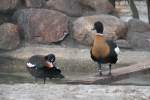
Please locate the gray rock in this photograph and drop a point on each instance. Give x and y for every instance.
(114, 28)
(69, 7)
(42, 25)
(91, 7)
(34, 3)
(135, 25)
(9, 36)
(139, 40)
(8, 4)
(75, 8)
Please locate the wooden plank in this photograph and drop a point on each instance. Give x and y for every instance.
(117, 74)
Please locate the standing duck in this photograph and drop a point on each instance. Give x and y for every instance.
(43, 66)
(103, 51)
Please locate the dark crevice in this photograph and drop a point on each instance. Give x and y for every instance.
(6, 16)
(87, 7)
(22, 3)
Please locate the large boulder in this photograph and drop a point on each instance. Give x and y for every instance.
(135, 25)
(8, 4)
(138, 35)
(42, 25)
(9, 36)
(140, 41)
(114, 28)
(96, 6)
(69, 7)
(34, 3)
(77, 8)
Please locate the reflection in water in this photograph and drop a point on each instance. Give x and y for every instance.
(13, 78)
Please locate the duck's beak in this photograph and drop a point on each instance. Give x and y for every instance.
(51, 64)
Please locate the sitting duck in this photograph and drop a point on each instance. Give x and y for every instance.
(43, 66)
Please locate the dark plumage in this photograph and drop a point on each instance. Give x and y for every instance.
(42, 67)
(98, 26)
(103, 51)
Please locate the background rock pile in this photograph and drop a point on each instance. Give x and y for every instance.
(50, 21)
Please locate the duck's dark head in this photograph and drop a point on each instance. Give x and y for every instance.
(50, 57)
(98, 26)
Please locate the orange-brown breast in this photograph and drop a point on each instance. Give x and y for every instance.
(100, 49)
(48, 64)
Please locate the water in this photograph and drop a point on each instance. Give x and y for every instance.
(142, 79)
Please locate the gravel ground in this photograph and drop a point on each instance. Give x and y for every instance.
(72, 92)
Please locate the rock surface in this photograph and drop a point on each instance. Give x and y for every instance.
(91, 7)
(139, 34)
(8, 4)
(114, 28)
(42, 25)
(139, 40)
(34, 3)
(135, 25)
(9, 36)
(81, 7)
(69, 7)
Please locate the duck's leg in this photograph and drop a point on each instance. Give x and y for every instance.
(44, 79)
(110, 69)
(35, 79)
(100, 69)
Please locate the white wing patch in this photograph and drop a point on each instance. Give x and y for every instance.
(30, 65)
(117, 50)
